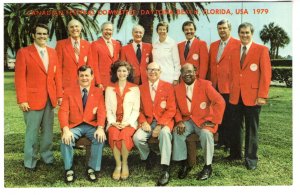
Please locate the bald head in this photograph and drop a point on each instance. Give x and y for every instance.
(74, 28)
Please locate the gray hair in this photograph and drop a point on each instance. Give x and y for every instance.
(138, 26)
(245, 25)
(74, 20)
(106, 23)
(224, 21)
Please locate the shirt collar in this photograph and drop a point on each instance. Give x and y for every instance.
(191, 85)
(73, 41)
(247, 46)
(40, 48)
(167, 40)
(87, 88)
(191, 41)
(155, 84)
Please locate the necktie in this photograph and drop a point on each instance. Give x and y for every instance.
(76, 50)
(84, 97)
(138, 53)
(43, 55)
(186, 49)
(220, 51)
(243, 55)
(189, 97)
(153, 92)
(110, 48)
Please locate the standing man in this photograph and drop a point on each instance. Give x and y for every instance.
(72, 53)
(156, 119)
(38, 88)
(193, 50)
(82, 113)
(199, 109)
(219, 70)
(106, 51)
(138, 54)
(250, 79)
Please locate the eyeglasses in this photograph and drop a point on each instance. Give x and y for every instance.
(153, 69)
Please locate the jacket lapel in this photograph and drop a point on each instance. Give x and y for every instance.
(195, 92)
(70, 50)
(78, 99)
(182, 98)
(34, 54)
(249, 55)
(133, 54)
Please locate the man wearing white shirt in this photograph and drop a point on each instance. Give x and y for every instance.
(165, 53)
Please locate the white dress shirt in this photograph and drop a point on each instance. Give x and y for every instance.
(166, 55)
(189, 93)
(247, 46)
(153, 89)
(45, 58)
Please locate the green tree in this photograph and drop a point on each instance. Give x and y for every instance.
(146, 20)
(276, 36)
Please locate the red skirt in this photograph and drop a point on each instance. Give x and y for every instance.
(115, 137)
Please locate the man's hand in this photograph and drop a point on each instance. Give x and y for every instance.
(175, 82)
(207, 124)
(261, 101)
(100, 86)
(146, 127)
(67, 137)
(117, 125)
(59, 101)
(100, 134)
(24, 106)
(156, 131)
(180, 127)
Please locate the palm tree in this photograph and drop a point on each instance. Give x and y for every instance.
(276, 36)
(146, 20)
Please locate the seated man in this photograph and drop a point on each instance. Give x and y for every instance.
(82, 113)
(156, 119)
(199, 109)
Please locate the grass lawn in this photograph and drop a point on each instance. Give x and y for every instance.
(274, 168)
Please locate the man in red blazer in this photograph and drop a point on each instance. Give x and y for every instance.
(138, 54)
(72, 53)
(158, 108)
(219, 74)
(193, 50)
(82, 113)
(200, 109)
(250, 79)
(106, 51)
(38, 89)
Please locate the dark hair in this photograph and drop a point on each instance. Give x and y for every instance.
(84, 68)
(114, 69)
(245, 25)
(41, 26)
(187, 23)
(162, 23)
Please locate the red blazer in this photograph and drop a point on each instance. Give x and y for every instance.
(33, 84)
(198, 56)
(67, 60)
(207, 104)
(71, 112)
(253, 79)
(103, 60)
(164, 107)
(219, 71)
(140, 70)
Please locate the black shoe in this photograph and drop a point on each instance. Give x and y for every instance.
(150, 161)
(30, 169)
(69, 176)
(205, 173)
(251, 167)
(232, 158)
(91, 174)
(183, 172)
(163, 179)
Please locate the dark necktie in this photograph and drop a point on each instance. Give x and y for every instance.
(84, 97)
(187, 49)
(138, 53)
(243, 55)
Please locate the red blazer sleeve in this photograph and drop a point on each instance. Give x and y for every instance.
(58, 77)
(64, 110)
(265, 75)
(217, 104)
(101, 113)
(142, 117)
(203, 60)
(178, 115)
(93, 61)
(20, 77)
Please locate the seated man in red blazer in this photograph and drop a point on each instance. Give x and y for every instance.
(158, 108)
(82, 113)
(200, 109)
(250, 79)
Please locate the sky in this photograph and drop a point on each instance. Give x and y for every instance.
(278, 12)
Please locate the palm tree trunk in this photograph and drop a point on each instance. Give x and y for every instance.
(147, 22)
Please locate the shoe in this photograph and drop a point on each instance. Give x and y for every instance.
(91, 174)
(232, 158)
(30, 169)
(205, 173)
(163, 179)
(251, 167)
(117, 174)
(150, 161)
(69, 176)
(125, 172)
(183, 172)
